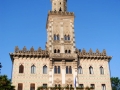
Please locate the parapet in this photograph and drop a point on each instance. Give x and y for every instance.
(29, 53)
(60, 13)
(92, 55)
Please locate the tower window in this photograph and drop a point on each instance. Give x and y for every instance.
(70, 70)
(58, 69)
(55, 51)
(33, 69)
(44, 69)
(91, 70)
(56, 37)
(21, 69)
(60, 9)
(101, 70)
(20, 86)
(69, 51)
(66, 69)
(60, 2)
(32, 86)
(44, 85)
(65, 51)
(58, 51)
(55, 69)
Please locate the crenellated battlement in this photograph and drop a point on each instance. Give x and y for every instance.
(29, 53)
(60, 13)
(93, 55)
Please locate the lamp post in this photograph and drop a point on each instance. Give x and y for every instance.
(0, 67)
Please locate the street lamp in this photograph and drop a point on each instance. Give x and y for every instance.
(0, 67)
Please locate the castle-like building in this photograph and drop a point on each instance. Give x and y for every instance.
(61, 64)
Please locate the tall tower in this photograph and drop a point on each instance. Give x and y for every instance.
(60, 29)
(61, 43)
(59, 5)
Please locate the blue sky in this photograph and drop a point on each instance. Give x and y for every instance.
(97, 26)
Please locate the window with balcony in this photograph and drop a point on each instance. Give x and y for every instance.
(44, 69)
(20, 86)
(21, 69)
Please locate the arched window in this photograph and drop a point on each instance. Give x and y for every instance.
(55, 69)
(101, 70)
(80, 70)
(91, 70)
(54, 37)
(69, 51)
(55, 51)
(21, 69)
(66, 69)
(65, 37)
(58, 51)
(33, 69)
(60, 9)
(70, 70)
(68, 37)
(65, 51)
(44, 69)
(58, 37)
(58, 69)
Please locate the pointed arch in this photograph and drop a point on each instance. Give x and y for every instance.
(65, 51)
(80, 70)
(33, 69)
(55, 69)
(60, 9)
(66, 69)
(44, 69)
(54, 37)
(91, 70)
(70, 69)
(21, 69)
(69, 51)
(65, 37)
(101, 70)
(58, 69)
(58, 51)
(58, 38)
(68, 37)
(55, 51)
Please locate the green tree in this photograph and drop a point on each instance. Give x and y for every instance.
(5, 83)
(115, 81)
